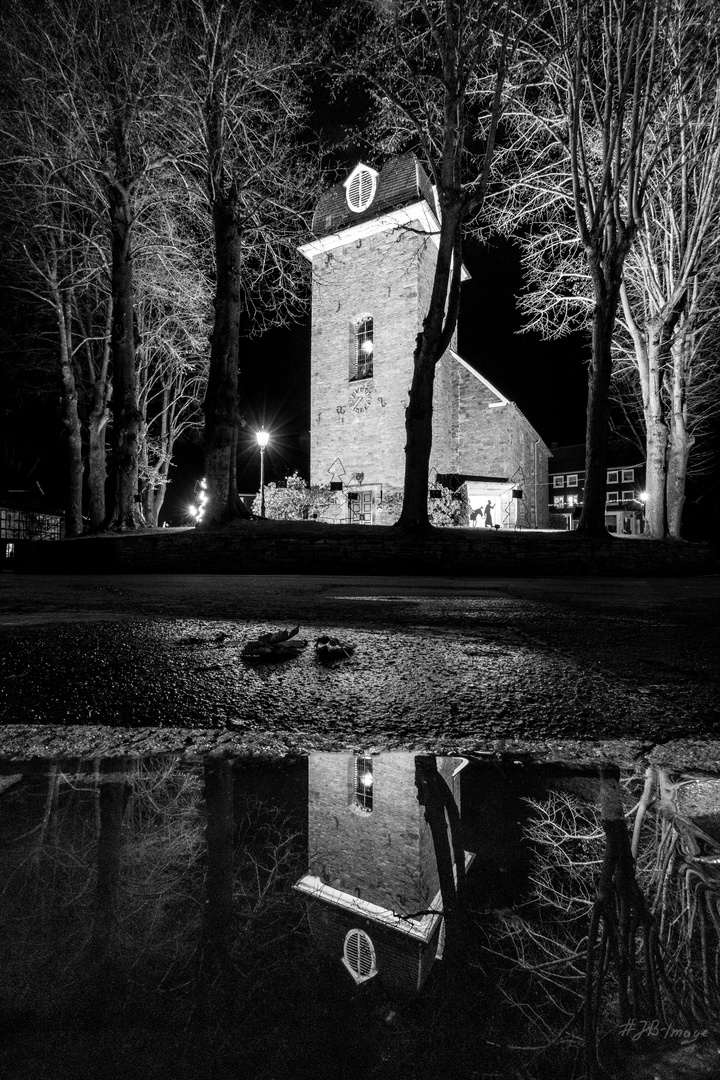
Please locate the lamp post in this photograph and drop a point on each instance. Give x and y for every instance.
(262, 438)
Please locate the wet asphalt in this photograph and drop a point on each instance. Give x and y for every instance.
(437, 664)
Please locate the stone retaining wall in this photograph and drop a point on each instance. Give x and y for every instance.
(312, 548)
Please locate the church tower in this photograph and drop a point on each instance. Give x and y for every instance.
(373, 256)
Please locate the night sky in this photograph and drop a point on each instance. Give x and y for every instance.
(547, 380)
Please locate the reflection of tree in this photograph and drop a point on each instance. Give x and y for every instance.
(443, 818)
(610, 938)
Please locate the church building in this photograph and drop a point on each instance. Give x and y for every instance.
(373, 256)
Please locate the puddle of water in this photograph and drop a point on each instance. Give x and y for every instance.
(218, 914)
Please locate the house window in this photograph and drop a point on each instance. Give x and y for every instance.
(360, 188)
(363, 794)
(572, 480)
(628, 496)
(558, 481)
(362, 348)
(558, 500)
(612, 497)
(359, 956)
(613, 476)
(628, 476)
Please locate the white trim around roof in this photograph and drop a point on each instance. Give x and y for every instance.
(418, 214)
(421, 929)
(502, 400)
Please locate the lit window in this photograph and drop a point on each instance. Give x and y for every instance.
(360, 188)
(572, 480)
(613, 477)
(628, 476)
(362, 349)
(558, 481)
(359, 956)
(559, 500)
(363, 797)
(613, 497)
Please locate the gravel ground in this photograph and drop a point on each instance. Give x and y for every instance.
(149, 663)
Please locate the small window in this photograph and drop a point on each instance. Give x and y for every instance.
(572, 480)
(628, 496)
(559, 500)
(628, 476)
(613, 497)
(613, 476)
(360, 188)
(363, 794)
(558, 481)
(362, 348)
(359, 956)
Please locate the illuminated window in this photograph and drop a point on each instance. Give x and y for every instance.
(559, 500)
(362, 348)
(558, 481)
(359, 956)
(628, 476)
(363, 795)
(360, 188)
(572, 480)
(613, 477)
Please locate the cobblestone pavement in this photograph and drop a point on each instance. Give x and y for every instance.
(154, 662)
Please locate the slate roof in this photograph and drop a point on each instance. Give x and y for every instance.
(402, 181)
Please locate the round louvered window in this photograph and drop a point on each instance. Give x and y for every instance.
(360, 188)
(359, 956)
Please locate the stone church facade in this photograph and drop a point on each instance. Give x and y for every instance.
(372, 888)
(373, 256)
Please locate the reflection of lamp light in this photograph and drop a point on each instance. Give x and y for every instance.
(366, 779)
(366, 347)
(262, 439)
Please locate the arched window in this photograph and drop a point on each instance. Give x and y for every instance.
(360, 188)
(359, 956)
(363, 794)
(362, 348)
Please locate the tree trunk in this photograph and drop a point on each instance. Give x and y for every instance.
(606, 278)
(71, 422)
(656, 441)
(114, 793)
(418, 429)
(97, 466)
(679, 444)
(221, 406)
(437, 799)
(126, 512)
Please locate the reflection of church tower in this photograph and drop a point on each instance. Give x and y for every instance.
(373, 889)
(373, 256)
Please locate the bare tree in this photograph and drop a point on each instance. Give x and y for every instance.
(437, 71)
(237, 136)
(604, 71)
(670, 297)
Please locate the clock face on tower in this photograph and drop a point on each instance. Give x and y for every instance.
(360, 399)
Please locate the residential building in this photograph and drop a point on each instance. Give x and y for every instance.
(624, 501)
(25, 516)
(373, 255)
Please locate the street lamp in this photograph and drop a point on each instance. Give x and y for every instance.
(262, 438)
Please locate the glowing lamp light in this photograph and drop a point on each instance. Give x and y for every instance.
(642, 496)
(263, 437)
(262, 440)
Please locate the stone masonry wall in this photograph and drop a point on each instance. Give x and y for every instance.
(376, 855)
(498, 441)
(376, 276)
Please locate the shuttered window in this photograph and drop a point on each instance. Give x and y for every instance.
(359, 956)
(360, 188)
